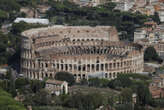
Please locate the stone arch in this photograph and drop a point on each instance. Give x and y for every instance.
(110, 75)
(46, 65)
(93, 67)
(34, 75)
(97, 67)
(84, 67)
(88, 67)
(114, 75)
(83, 76)
(51, 75)
(42, 75)
(46, 75)
(106, 75)
(62, 67)
(102, 67)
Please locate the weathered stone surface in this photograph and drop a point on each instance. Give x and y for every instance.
(80, 50)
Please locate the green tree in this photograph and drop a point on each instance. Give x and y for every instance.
(8, 103)
(42, 98)
(143, 94)
(3, 16)
(12, 77)
(21, 82)
(65, 76)
(9, 5)
(126, 95)
(17, 28)
(89, 101)
(71, 14)
(156, 18)
(150, 54)
(124, 106)
(36, 85)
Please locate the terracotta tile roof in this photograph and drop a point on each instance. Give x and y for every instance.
(52, 81)
(156, 92)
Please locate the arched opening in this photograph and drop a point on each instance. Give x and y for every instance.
(106, 66)
(97, 61)
(79, 76)
(106, 75)
(61, 66)
(66, 67)
(118, 64)
(51, 75)
(114, 75)
(75, 67)
(97, 67)
(114, 65)
(37, 75)
(33, 75)
(110, 65)
(102, 67)
(110, 75)
(88, 67)
(93, 67)
(46, 75)
(57, 66)
(79, 68)
(42, 75)
(84, 69)
(83, 76)
(70, 67)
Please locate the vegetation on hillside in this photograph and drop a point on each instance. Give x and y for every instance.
(150, 55)
(8, 103)
(71, 14)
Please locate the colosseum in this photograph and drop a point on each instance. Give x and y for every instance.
(83, 51)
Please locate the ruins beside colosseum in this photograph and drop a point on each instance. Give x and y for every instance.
(83, 51)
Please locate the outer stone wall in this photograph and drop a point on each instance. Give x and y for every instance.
(82, 51)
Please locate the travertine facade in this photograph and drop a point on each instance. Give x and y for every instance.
(80, 50)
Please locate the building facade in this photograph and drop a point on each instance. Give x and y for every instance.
(80, 50)
(151, 35)
(56, 87)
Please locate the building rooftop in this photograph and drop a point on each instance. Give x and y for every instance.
(56, 82)
(32, 20)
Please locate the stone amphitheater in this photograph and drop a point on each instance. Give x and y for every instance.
(83, 51)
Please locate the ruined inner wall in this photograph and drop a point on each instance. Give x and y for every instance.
(82, 51)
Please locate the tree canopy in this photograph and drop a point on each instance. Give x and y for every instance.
(8, 103)
(150, 54)
(71, 14)
(65, 76)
